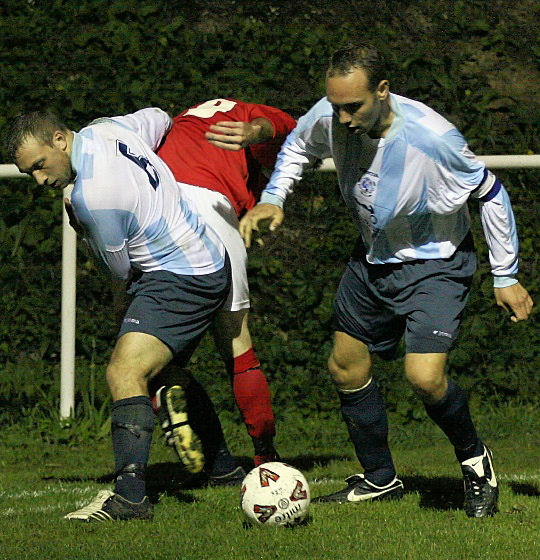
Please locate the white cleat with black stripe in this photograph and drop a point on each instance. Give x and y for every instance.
(359, 489)
(108, 506)
(480, 485)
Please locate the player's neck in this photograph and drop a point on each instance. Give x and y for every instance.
(384, 122)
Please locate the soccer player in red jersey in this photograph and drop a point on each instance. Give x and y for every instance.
(221, 152)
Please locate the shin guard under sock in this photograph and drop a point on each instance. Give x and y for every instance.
(364, 413)
(132, 424)
(452, 415)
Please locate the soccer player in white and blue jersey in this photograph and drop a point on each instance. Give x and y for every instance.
(406, 175)
(127, 203)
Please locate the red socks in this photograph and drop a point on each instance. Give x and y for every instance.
(252, 395)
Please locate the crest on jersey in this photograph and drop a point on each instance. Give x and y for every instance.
(299, 492)
(266, 475)
(368, 183)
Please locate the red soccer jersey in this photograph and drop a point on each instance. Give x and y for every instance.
(236, 174)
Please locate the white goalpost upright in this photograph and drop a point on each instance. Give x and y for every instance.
(68, 303)
(68, 315)
(69, 290)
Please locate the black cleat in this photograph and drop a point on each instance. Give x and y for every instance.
(108, 506)
(233, 478)
(205, 480)
(170, 406)
(361, 490)
(480, 485)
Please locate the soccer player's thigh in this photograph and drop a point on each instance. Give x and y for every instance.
(362, 325)
(435, 310)
(231, 332)
(175, 310)
(136, 358)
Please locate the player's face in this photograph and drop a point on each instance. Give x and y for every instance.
(356, 107)
(50, 166)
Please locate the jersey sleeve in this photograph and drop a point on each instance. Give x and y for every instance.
(151, 124)
(307, 143)
(500, 231)
(107, 232)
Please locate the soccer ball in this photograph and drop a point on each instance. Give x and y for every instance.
(275, 494)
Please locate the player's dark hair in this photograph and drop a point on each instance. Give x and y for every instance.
(41, 125)
(360, 55)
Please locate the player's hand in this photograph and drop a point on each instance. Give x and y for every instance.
(250, 222)
(515, 299)
(231, 135)
(72, 219)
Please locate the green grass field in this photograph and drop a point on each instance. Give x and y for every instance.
(39, 482)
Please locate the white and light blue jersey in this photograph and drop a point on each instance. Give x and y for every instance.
(407, 192)
(127, 200)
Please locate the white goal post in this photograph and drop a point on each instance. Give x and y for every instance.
(69, 253)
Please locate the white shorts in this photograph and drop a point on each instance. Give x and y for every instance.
(219, 214)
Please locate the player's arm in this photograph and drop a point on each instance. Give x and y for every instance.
(255, 124)
(500, 232)
(282, 122)
(120, 298)
(105, 231)
(305, 145)
(467, 177)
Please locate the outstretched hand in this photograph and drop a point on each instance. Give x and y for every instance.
(515, 299)
(250, 222)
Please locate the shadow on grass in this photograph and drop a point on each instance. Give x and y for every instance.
(524, 489)
(161, 478)
(436, 492)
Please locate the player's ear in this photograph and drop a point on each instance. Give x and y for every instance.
(383, 89)
(60, 140)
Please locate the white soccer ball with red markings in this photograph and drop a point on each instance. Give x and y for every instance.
(275, 494)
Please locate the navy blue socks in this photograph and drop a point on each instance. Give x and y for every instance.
(364, 413)
(452, 415)
(132, 426)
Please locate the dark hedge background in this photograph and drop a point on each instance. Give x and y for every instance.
(475, 61)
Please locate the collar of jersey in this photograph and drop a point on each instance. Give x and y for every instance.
(76, 151)
(397, 124)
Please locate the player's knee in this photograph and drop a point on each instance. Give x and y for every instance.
(120, 374)
(348, 374)
(429, 389)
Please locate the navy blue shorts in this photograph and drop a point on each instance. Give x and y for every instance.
(176, 309)
(422, 299)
